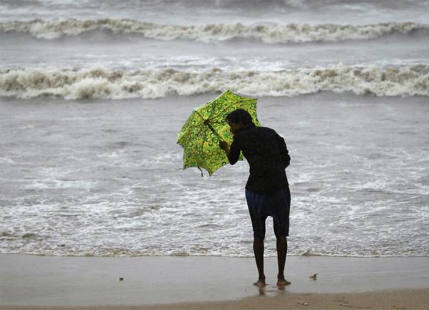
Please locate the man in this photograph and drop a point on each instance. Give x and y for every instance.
(267, 188)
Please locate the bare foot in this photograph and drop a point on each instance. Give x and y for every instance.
(282, 283)
(260, 283)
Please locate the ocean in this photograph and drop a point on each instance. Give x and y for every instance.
(93, 94)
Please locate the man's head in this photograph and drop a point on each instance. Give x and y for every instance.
(239, 119)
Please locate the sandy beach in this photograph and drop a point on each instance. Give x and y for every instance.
(45, 282)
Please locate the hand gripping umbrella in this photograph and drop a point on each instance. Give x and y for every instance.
(206, 126)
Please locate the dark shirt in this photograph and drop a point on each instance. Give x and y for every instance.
(267, 155)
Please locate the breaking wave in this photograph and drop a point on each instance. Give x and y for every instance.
(267, 33)
(118, 84)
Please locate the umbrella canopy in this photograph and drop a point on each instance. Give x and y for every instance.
(206, 126)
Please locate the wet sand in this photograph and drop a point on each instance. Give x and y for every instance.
(46, 282)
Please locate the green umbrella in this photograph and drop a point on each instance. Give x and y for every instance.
(206, 126)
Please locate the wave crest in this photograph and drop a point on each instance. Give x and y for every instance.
(273, 33)
(118, 84)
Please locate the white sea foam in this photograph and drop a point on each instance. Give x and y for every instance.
(140, 202)
(267, 33)
(117, 84)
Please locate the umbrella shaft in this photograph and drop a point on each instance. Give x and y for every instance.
(207, 122)
(212, 129)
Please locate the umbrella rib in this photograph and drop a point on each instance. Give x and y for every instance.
(213, 106)
(202, 144)
(220, 112)
(212, 110)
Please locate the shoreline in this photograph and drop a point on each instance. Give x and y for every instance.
(394, 299)
(193, 282)
(218, 256)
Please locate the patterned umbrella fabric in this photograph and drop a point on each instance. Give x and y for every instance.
(206, 126)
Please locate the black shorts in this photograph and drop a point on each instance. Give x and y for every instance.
(276, 205)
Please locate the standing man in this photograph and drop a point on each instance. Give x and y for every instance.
(267, 188)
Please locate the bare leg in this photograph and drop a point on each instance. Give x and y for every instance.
(281, 259)
(258, 249)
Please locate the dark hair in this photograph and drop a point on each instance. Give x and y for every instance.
(240, 115)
